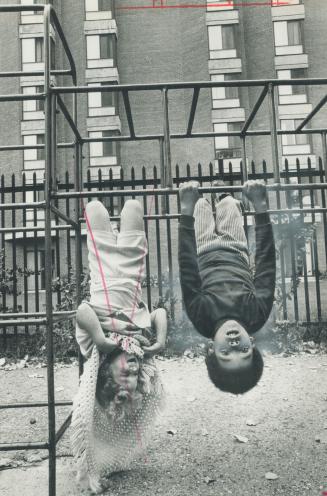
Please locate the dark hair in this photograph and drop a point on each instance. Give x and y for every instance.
(237, 382)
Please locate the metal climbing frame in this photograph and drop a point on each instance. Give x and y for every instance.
(52, 97)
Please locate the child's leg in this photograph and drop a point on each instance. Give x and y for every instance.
(97, 217)
(131, 217)
(132, 245)
(229, 225)
(204, 226)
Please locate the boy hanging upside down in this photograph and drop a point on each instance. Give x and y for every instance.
(223, 299)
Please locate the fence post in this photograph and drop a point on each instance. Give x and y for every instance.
(274, 141)
(245, 167)
(324, 153)
(168, 174)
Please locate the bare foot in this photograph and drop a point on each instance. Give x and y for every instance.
(189, 195)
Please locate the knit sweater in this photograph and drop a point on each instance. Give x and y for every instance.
(218, 285)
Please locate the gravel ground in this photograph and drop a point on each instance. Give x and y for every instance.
(200, 455)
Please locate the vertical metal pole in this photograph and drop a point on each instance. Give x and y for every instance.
(324, 153)
(245, 168)
(78, 235)
(48, 254)
(168, 174)
(273, 129)
(54, 139)
(163, 183)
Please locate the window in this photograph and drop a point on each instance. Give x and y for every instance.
(288, 37)
(293, 139)
(36, 2)
(99, 47)
(102, 148)
(228, 146)
(109, 147)
(33, 105)
(108, 98)
(38, 49)
(221, 37)
(106, 46)
(291, 90)
(228, 40)
(40, 152)
(30, 155)
(294, 33)
(104, 100)
(224, 93)
(104, 5)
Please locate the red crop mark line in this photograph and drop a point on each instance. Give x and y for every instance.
(159, 4)
(106, 291)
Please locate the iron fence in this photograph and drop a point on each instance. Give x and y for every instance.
(300, 234)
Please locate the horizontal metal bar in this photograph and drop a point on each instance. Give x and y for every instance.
(32, 147)
(33, 228)
(63, 314)
(314, 111)
(21, 8)
(23, 446)
(69, 119)
(22, 97)
(207, 134)
(144, 137)
(54, 72)
(62, 429)
(35, 404)
(17, 322)
(254, 110)
(63, 216)
(15, 206)
(190, 84)
(166, 191)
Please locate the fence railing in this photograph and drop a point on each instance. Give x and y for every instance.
(300, 236)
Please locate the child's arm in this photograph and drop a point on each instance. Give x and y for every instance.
(88, 321)
(159, 323)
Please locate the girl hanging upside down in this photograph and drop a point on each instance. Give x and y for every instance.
(120, 392)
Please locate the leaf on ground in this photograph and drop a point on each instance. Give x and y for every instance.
(6, 462)
(321, 438)
(271, 476)
(172, 432)
(60, 388)
(240, 439)
(251, 422)
(209, 480)
(34, 459)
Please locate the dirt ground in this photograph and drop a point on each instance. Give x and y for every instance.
(200, 455)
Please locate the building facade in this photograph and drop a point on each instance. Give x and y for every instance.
(146, 41)
(124, 41)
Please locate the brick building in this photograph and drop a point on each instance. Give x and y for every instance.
(128, 41)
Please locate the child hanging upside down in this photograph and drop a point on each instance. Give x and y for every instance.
(120, 391)
(223, 299)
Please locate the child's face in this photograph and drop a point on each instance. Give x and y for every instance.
(125, 370)
(233, 346)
